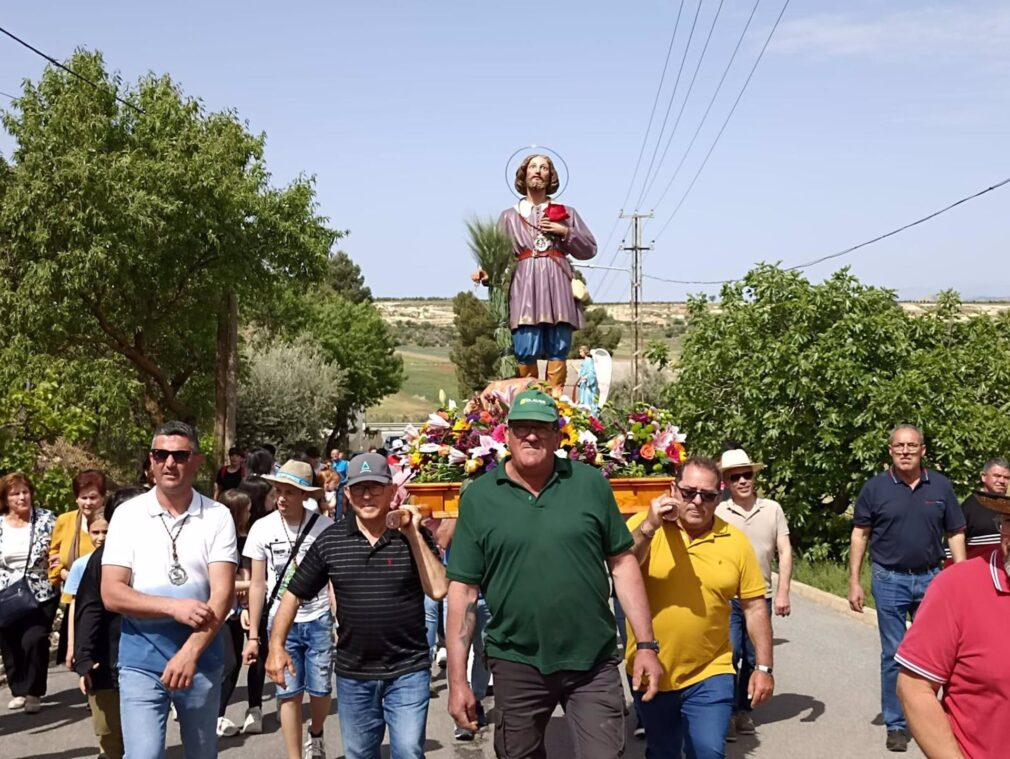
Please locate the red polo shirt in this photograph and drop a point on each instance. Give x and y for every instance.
(959, 640)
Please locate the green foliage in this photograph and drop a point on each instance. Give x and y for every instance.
(120, 231)
(474, 352)
(344, 278)
(811, 378)
(594, 334)
(492, 250)
(657, 353)
(832, 577)
(287, 393)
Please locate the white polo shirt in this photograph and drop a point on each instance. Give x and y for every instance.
(139, 539)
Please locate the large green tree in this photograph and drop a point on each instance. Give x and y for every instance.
(123, 228)
(811, 378)
(474, 350)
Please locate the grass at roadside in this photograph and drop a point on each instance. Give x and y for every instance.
(832, 577)
(427, 371)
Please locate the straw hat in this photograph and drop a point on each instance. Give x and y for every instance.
(738, 459)
(297, 474)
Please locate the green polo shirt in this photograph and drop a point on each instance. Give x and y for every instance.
(541, 563)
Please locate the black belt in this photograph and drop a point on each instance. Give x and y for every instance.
(914, 570)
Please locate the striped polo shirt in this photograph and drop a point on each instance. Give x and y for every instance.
(380, 600)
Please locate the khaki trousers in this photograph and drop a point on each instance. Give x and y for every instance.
(105, 717)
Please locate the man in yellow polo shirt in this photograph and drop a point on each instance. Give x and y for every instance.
(694, 565)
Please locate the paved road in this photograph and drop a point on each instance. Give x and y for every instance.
(827, 706)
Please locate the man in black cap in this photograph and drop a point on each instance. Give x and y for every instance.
(380, 577)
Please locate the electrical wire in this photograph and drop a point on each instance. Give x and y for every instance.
(66, 68)
(687, 96)
(711, 102)
(726, 122)
(847, 251)
(606, 274)
(669, 105)
(6, 95)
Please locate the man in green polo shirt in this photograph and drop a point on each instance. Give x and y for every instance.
(537, 536)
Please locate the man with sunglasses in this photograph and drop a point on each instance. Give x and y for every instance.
(694, 565)
(537, 536)
(902, 515)
(764, 523)
(169, 570)
(380, 577)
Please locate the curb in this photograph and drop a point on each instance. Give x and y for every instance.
(839, 604)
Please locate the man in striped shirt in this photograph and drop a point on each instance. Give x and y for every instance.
(380, 577)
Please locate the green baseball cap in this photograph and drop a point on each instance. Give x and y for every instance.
(533, 406)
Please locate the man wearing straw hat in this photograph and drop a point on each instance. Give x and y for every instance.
(764, 523)
(277, 545)
(958, 643)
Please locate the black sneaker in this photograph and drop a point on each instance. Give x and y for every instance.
(897, 740)
(462, 734)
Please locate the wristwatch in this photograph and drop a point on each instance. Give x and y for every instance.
(763, 668)
(651, 645)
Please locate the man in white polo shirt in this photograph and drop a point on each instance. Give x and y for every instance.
(169, 569)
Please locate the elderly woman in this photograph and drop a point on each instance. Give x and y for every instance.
(25, 534)
(71, 539)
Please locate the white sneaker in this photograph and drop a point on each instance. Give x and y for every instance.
(441, 657)
(226, 728)
(18, 702)
(33, 704)
(314, 748)
(253, 721)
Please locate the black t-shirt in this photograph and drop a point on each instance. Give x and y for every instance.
(227, 480)
(380, 601)
(980, 523)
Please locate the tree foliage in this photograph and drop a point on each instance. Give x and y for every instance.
(474, 350)
(812, 377)
(288, 394)
(344, 278)
(594, 334)
(121, 230)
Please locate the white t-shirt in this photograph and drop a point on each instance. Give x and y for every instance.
(15, 546)
(271, 540)
(138, 539)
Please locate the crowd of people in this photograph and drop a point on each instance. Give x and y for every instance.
(317, 575)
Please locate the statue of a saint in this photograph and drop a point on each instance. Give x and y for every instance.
(543, 312)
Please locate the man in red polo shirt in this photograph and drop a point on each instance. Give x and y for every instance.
(958, 642)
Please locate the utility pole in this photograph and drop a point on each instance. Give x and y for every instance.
(636, 249)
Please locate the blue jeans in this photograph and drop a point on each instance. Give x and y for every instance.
(897, 595)
(310, 646)
(743, 654)
(143, 707)
(431, 608)
(367, 706)
(550, 341)
(693, 720)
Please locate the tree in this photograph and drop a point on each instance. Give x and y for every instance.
(594, 334)
(813, 377)
(123, 229)
(288, 393)
(474, 351)
(344, 278)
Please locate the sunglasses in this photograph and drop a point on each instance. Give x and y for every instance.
(161, 455)
(740, 476)
(374, 489)
(689, 494)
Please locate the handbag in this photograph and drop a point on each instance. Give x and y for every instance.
(17, 601)
(265, 616)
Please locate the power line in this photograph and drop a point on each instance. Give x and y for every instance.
(724, 123)
(606, 274)
(854, 248)
(652, 114)
(711, 102)
(6, 95)
(66, 68)
(687, 96)
(669, 106)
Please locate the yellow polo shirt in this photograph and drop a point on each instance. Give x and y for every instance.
(690, 584)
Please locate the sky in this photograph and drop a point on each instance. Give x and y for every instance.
(861, 116)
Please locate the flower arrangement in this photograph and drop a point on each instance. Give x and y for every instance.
(456, 444)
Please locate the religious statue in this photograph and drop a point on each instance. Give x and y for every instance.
(543, 311)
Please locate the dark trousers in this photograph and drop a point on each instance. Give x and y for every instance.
(25, 649)
(743, 654)
(257, 673)
(234, 639)
(525, 698)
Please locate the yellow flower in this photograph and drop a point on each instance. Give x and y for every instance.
(415, 459)
(461, 425)
(598, 461)
(569, 436)
(472, 465)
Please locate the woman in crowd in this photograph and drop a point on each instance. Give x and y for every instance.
(25, 535)
(71, 540)
(240, 506)
(96, 644)
(98, 528)
(261, 502)
(328, 506)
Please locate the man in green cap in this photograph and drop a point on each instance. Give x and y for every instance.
(537, 536)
